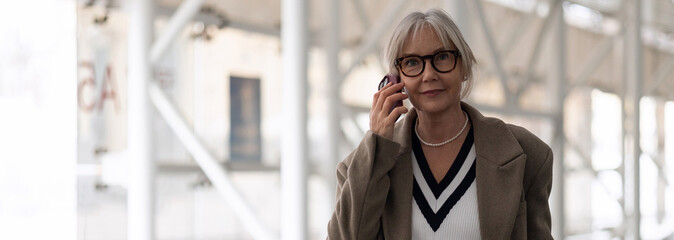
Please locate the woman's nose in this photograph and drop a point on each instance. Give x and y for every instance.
(429, 73)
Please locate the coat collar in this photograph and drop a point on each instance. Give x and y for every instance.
(499, 176)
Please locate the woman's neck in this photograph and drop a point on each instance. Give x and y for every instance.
(438, 127)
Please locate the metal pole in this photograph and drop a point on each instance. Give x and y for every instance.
(634, 62)
(623, 168)
(559, 141)
(199, 79)
(660, 160)
(294, 140)
(333, 90)
(187, 10)
(140, 193)
(208, 164)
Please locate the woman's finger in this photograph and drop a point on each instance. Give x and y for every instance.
(377, 95)
(385, 92)
(395, 114)
(375, 98)
(381, 120)
(393, 88)
(392, 99)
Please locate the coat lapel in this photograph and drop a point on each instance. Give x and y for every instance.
(397, 216)
(499, 175)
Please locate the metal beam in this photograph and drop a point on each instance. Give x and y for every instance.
(587, 166)
(209, 164)
(187, 10)
(559, 49)
(659, 159)
(664, 71)
(140, 217)
(372, 38)
(352, 112)
(633, 90)
(217, 19)
(515, 111)
(517, 31)
(351, 132)
(496, 59)
(623, 114)
(536, 53)
(334, 114)
(254, 28)
(358, 6)
(600, 53)
(514, 34)
(226, 164)
(662, 171)
(294, 35)
(596, 58)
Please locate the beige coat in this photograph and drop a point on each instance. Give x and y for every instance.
(513, 177)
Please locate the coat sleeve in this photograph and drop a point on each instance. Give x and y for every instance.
(538, 210)
(362, 188)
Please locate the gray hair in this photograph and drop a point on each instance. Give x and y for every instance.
(447, 31)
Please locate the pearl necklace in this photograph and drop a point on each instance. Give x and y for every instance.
(416, 131)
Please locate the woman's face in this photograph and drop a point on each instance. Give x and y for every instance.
(431, 91)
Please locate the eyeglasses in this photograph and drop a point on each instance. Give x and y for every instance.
(414, 65)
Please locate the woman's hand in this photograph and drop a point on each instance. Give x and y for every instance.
(381, 121)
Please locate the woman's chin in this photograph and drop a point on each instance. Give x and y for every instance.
(433, 108)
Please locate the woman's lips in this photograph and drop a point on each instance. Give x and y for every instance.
(431, 93)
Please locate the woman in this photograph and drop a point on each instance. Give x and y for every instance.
(444, 171)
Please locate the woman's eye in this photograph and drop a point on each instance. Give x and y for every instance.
(411, 62)
(442, 56)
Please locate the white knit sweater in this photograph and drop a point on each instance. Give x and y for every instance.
(445, 210)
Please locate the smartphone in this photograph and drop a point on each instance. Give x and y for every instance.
(391, 78)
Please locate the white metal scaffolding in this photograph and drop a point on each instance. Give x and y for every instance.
(294, 41)
(631, 106)
(472, 17)
(141, 190)
(142, 92)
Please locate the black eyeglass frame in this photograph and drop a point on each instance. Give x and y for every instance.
(456, 54)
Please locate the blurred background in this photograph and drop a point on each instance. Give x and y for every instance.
(222, 119)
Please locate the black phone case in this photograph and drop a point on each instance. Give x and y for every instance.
(385, 81)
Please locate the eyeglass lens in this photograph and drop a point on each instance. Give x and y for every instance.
(442, 62)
